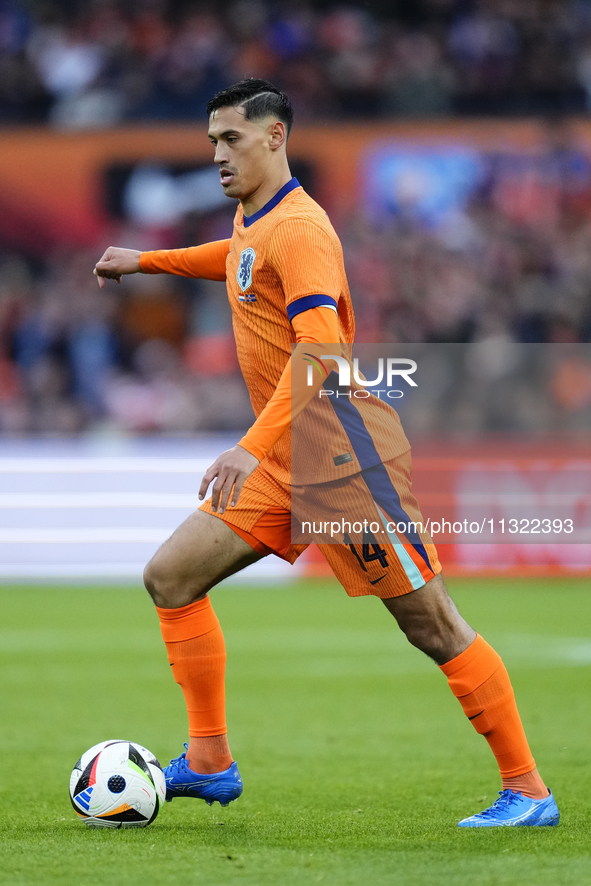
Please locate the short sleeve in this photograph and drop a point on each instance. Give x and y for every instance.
(308, 262)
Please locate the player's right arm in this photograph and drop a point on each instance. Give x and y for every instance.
(115, 262)
(207, 261)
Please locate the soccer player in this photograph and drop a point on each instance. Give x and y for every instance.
(286, 283)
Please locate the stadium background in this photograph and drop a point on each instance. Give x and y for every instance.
(450, 144)
(450, 141)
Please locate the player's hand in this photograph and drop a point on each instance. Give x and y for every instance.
(229, 471)
(115, 262)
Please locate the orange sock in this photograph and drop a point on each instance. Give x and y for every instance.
(479, 680)
(197, 655)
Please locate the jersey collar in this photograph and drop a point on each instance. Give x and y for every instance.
(273, 202)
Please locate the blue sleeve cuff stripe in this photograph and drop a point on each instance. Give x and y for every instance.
(310, 301)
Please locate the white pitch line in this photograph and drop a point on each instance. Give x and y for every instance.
(114, 535)
(267, 569)
(99, 500)
(72, 570)
(95, 465)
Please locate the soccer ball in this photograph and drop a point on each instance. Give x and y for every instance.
(117, 784)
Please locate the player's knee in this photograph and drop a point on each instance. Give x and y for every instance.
(429, 640)
(440, 640)
(168, 587)
(155, 582)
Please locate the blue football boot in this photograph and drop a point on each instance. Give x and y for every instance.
(512, 809)
(183, 782)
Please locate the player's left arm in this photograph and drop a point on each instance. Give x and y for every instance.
(307, 263)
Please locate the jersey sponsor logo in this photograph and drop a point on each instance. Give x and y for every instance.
(244, 274)
(342, 459)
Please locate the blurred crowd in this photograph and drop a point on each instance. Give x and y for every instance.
(510, 263)
(156, 354)
(100, 62)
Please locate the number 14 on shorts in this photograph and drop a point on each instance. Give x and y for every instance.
(371, 552)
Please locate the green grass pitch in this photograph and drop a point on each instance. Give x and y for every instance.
(356, 758)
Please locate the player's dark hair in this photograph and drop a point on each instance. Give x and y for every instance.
(259, 98)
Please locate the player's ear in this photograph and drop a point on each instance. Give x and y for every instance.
(277, 134)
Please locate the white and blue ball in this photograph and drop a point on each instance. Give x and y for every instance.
(117, 784)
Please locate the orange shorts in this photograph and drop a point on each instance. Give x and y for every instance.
(394, 559)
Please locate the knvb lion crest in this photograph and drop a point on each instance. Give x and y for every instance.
(244, 275)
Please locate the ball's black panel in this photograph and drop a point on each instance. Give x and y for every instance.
(116, 784)
(136, 757)
(84, 779)
(156, 809)
(127, 815)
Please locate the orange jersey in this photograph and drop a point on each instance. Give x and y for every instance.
(281, 265)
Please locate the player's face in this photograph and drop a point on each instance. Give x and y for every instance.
(242, 150)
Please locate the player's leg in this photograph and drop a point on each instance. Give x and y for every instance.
(476, 675)
(199, 554)
(202, 551)
(404, 571)
(431, 621)
(479, 680)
